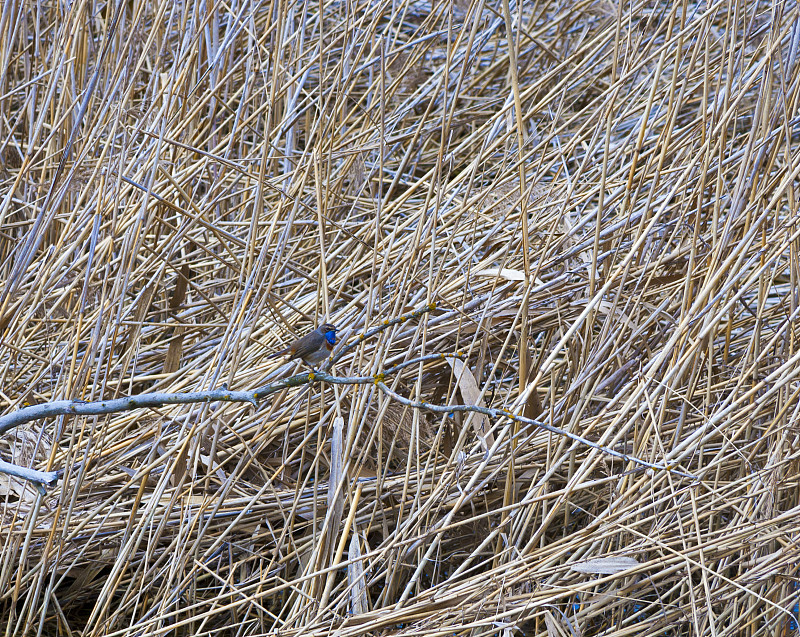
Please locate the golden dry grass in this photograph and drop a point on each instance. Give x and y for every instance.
(602, 200)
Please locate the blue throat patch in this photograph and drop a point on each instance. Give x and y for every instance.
(330, 336)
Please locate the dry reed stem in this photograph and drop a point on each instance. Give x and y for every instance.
(608, 227)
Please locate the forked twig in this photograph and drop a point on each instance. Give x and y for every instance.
(223, 394)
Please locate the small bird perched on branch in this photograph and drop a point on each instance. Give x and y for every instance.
(313, 348)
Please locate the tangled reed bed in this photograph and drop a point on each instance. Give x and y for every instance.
(600, 199)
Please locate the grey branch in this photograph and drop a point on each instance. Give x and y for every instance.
(223, 394)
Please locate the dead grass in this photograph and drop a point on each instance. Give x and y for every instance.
(604, 208)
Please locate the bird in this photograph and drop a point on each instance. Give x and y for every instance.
(313, 348)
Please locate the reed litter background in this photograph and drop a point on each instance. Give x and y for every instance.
(600, 198)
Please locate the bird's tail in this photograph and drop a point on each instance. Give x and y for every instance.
(283, 352)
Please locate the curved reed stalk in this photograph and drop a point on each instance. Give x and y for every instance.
(601, 201)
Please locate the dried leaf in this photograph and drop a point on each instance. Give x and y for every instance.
(605, 565)
(472, 396)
